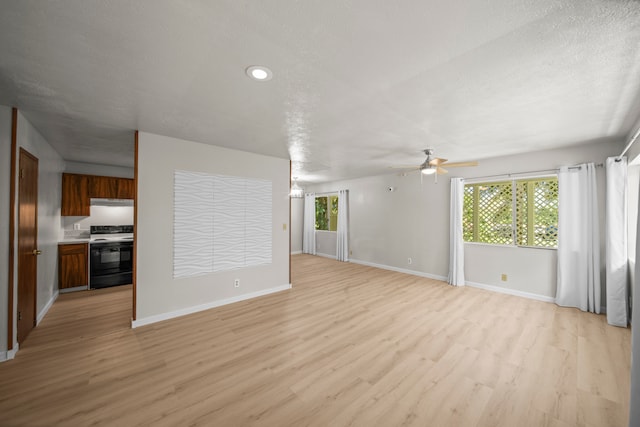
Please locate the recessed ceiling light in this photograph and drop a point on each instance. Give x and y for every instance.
(260, 73)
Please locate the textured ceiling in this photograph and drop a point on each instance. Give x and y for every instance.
(357, 86)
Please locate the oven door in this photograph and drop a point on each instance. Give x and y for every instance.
(111, 264)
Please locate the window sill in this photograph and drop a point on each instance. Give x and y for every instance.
(325, 231)
(509, 246)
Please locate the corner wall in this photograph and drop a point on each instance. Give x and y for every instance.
(387, 228)
(159, 295)
(50, 168)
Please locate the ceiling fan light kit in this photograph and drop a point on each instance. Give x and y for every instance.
(433, 165)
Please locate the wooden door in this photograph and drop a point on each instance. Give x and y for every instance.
(27, 243)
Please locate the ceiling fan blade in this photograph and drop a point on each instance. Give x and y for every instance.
(404, 167)
(437, 161)
(461, 164)
(441, 171)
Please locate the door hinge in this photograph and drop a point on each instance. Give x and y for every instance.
(19, 315)
(21, 174)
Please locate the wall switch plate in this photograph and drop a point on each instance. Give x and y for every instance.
(76, 226)
(503, 277)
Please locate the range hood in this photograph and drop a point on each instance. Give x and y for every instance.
(111, 202)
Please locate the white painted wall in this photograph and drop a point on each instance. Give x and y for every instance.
(634, 270)
(98, 169)
(158, 294)
(50, 168)
(326, 243)
(5, 176)
(388, 228)
(99, 215)
(297, 213)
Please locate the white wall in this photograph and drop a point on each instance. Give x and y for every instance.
(5, 176)
(158, 294)
(99, 215)
(98, 169)
(388, 228)
(50, 167)
(634, 270)
(297, 213)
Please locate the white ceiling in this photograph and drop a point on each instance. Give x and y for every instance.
(357, 86)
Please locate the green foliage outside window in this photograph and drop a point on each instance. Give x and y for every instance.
(327, 213)
(489, 216)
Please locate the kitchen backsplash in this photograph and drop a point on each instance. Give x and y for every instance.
(100, 215)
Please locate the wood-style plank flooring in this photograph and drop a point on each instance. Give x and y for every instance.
(348, 345)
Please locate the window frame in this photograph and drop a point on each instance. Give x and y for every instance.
(514, 222)
(329, 197)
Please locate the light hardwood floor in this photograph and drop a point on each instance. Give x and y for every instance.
(348, 345)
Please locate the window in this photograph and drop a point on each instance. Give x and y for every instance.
(521, 212)
(327, 213)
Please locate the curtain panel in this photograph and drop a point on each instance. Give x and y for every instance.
(342, 244)
(309, 224)
(578, 239)
(456, 243)
(617, 283)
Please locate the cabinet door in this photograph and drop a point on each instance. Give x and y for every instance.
(75, 197)
(103, 187)
(126, 188)
(73, 265)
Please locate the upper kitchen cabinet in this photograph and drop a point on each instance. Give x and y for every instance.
(78, 190)
(75, 195)
(126, 189)
(106, 187)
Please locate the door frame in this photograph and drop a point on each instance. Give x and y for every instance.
(12, 227)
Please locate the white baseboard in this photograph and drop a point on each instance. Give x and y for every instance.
(399, 270)
(471, 284)
(8, 355)
(296, 252)
(46, 308)
(207, 306)
(326, 255)
(508, 291)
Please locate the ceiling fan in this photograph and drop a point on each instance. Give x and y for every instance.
(433, 165)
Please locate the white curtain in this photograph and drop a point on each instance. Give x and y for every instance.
(342, 248)
(456, 244)
(309, 224)
(578, 239)
(617, 261)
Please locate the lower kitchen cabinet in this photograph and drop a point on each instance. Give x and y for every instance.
(73, 265)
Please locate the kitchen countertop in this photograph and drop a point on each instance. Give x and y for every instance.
(72, 241)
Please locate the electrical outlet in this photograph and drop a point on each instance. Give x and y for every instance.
(236, 283)
(503, 277)
(350, 252)
(409, 261)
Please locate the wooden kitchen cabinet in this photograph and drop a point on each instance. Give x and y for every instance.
(78, 190)
(107, 187)
(73, 265)
(126, 189)
(103, 187)
(75, 195)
